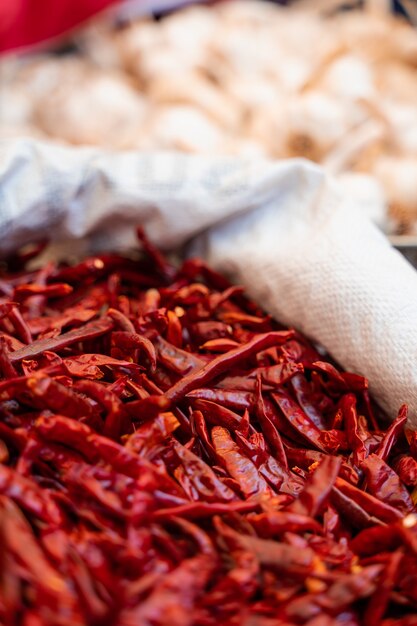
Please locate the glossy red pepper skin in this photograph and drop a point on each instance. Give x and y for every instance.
(170, 456)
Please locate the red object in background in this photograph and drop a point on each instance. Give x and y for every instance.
(24, 23)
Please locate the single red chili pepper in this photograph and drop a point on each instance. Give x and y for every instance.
(241, 383)
(147, 408)
(237, 465)
(177, 360)
(174, 330)
(334, 375)
(350, 588)
(206, 331)
(305, 458)
(392, 434)
(204, 480)
(379, 601)
(353, 511)
(271, 433)
(20, 324)
(199, 427)
(56, 290)
(280, 479)
(355, 382)
(372, 505)
(304, 397)
(6, 368)
(217, 415)
(298, 419)
(275, 523)
(6, 308)
(19, 544)
(375, 540)
(406, 468)
(317, 489)
(29, 496)
(131, 341)
(224, 362)
(248, 321)
(228, 398)
(271, 554)
(150, 437)
(384, 483)
(253, 445)
(88, 365)
(89, 331)
(91, 268)
(158, 260)
(220, 345)
(73, 316)
(121, 320)
(348, 407)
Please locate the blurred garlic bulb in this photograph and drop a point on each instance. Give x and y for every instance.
(319, 118)
(402, 124)
(99, 42)
(349, 78)
(253, 93)
(182, 128)
(176, 44)
(248, 13)
(194, 89)
(397, 82)
(92, 107)
(189, 30)
(268, 126)
(397, 175)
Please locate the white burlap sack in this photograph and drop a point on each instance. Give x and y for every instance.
(304, 252)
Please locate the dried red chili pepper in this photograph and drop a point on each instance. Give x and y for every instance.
(135, 398)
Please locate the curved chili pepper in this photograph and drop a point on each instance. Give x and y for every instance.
(406, 468)
(225, 361)
(392, 434)
(29, 496)
(317, 488)
(56, 290)
(369, 503)
(228, 398)
(216, 414)
(89, 331)
(220, 345)
(237, 465)
(128, 341)
(298, 419)
(204, 480)
(348, 407)
(20, 324)
(177, 360)
(304, 396)
(384, 483)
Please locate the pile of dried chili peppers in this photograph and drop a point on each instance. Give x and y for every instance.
(170, 456)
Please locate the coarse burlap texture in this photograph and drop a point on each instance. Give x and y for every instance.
(309, 256)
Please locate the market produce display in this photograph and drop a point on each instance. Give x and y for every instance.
(239, 78)
(170, 455)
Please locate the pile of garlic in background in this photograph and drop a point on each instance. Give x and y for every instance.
(238, 78)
